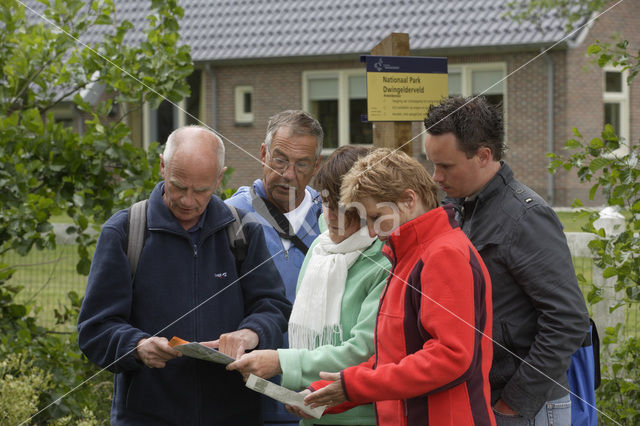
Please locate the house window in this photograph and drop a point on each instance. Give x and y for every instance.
(193, 102)
(66, 122)
(475, 79)
(616, 106)
(64, 114)
(338, 99)
(244, 104)
(359, 132)
(160, 122)
(479, 79)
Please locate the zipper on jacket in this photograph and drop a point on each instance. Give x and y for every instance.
(382, 296)
(286, 254)
(194, 322)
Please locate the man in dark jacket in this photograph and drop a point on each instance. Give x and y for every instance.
(540, 317)
(186, 285)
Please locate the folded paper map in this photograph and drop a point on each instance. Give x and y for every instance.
(283, 395)
(200, 351)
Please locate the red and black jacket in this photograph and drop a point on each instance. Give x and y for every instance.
(433, 346)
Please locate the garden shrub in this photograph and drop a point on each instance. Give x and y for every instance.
(20, 386)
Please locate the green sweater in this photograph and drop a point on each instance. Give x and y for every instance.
(365, 281)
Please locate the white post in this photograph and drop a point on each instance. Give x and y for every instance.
(613, 224)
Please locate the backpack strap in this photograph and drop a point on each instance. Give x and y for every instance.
(237, 239)
(136, 234)
(277, 220)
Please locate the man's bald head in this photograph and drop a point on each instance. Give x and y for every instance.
(192, 166)
(198, 140)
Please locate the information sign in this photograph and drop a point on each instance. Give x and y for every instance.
(401, 88)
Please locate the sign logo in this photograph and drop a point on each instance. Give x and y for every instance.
(379, 66)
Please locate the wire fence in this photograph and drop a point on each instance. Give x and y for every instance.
(584, 266)
(47, 276)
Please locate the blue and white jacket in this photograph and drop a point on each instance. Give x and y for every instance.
(288, 263)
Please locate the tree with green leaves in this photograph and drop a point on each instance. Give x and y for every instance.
(615, 51)
(48, 168)
(599, 163)
(617, 255)
(50, 59)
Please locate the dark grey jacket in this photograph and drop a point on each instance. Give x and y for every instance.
(540, 316)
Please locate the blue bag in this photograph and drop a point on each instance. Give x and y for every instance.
(584, 379)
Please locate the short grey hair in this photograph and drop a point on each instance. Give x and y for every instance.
(300, 122)
(174, 140)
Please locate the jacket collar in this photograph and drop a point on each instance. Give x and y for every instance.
(501, 178)
(310, 226)
(420, 230)
(160, 217)
(258, 186)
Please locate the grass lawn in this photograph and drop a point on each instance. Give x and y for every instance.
(46, 278)
(63, 218)
(573, 221)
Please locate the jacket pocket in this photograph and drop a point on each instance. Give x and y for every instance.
(504, 361)
(129, 392)
(389, 338)
(506, 335)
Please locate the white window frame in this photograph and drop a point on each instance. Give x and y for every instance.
(343, 98)
(241, 116)
(467, 74)
(621, 98)
(179, 114)
(466, 71)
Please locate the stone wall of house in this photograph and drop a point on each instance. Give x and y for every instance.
(578, 89)
(585, 87)
(276, 87)
(527, 116)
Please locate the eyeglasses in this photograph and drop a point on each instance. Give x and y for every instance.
(281, 165)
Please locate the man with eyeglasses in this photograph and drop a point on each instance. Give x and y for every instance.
(286, 206)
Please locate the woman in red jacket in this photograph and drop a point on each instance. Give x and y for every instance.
(433, 346)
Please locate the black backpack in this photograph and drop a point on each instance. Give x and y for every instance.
(137, 235)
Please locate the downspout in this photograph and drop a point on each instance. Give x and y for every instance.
(550, 124)
(213, 114)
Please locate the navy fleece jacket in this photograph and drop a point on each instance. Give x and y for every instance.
(185, 289)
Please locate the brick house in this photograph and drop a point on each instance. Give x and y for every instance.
(254, 58)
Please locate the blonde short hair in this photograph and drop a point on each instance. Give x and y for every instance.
(384, 175)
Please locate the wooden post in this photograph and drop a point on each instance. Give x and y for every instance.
(394, 134)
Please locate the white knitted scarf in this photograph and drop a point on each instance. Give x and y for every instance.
(315, 317)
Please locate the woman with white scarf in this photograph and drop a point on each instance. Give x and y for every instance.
(333, 318)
